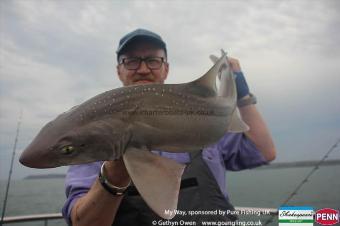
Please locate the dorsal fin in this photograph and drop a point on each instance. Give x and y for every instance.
(208, 80)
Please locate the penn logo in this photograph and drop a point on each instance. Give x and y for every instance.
(327, 216)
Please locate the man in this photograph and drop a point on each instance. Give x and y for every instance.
(108, 199)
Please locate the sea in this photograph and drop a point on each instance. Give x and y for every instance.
(268, 188)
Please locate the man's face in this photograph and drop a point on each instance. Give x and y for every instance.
(143, 74)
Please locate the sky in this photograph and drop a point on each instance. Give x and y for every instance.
(57, 54)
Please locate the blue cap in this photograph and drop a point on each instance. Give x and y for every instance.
(143, 34)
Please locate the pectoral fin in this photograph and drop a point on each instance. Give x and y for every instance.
(237, 125)
(156, 178)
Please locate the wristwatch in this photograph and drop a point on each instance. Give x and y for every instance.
(251, 99)
(114, 190)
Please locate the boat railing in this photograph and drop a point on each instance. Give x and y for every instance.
(46, 217)
(57, 216)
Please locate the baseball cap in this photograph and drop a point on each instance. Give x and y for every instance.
(142, 34)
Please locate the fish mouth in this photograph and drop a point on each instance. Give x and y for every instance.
(36, 164)
(35, 160)
(29, 161)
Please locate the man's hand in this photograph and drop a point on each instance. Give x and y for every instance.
(117, 173)
(234, 64)
(241, 83)
(99, 207)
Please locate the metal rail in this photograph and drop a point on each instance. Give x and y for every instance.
(56, 216)
(32, 217)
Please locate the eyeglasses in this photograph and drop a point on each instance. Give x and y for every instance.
(133, 63)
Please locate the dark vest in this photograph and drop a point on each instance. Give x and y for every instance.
(199, 192)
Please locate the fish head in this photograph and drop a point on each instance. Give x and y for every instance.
(53, 143)
(62, 142)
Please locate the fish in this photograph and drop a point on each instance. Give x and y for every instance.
(129, 122)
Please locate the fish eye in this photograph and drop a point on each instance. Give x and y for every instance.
(66, 150)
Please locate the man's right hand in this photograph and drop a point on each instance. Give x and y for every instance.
(98, 206)
(116, 173)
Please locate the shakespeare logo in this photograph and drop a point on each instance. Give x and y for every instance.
(296, 216)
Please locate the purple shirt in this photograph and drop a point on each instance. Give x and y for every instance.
(234, 151)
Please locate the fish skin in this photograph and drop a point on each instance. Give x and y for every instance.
(130, 121)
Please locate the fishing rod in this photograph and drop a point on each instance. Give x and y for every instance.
(11, 168)
(305, 180)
